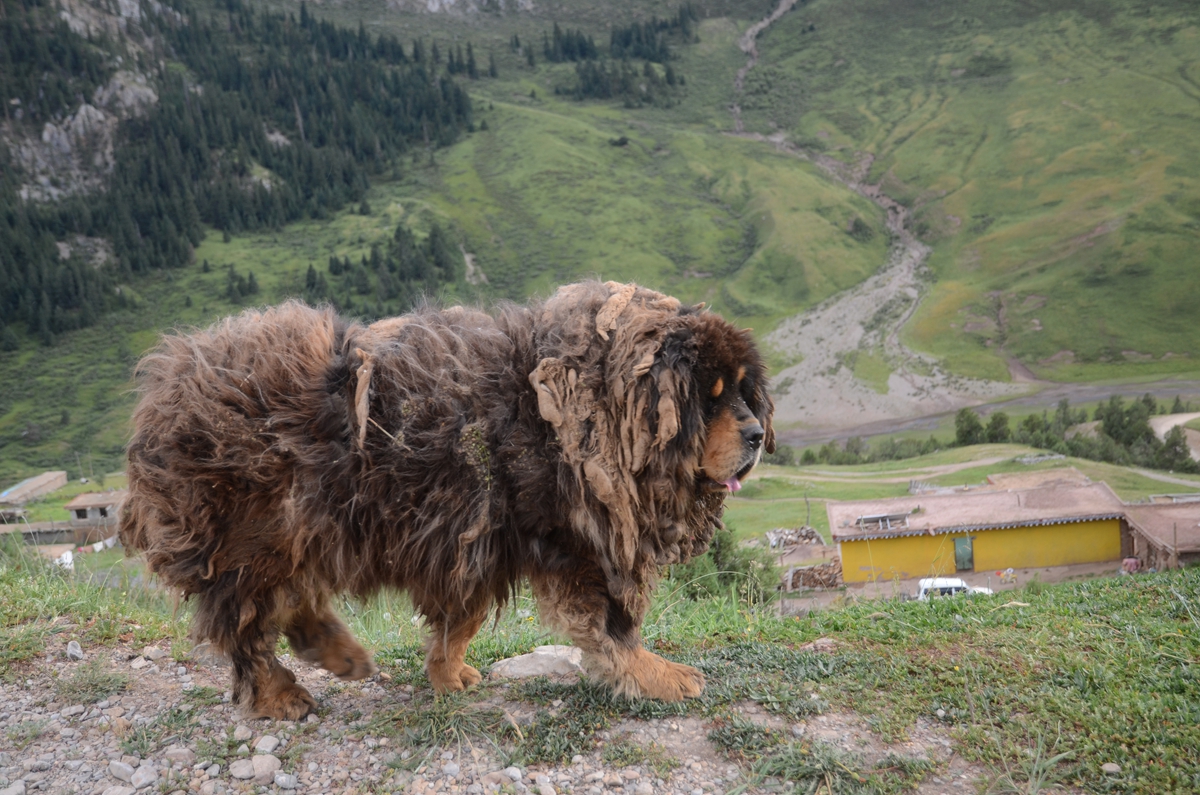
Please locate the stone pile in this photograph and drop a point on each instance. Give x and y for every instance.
(783, 537)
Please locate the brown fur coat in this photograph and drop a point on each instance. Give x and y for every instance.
(286, 455)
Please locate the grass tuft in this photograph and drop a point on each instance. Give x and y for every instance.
(90, 683)
(743, 740)
(25, 732)
(576, 714)
(626, 752)
(453, 719)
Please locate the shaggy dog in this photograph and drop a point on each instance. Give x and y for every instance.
(283, 456)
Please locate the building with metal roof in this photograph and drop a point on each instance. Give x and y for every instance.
(985, 529)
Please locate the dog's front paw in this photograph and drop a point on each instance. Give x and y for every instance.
(650, 676)
(447, 678)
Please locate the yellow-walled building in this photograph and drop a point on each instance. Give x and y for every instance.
(988, 529)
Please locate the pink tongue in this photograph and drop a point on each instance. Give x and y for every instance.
(734, 485)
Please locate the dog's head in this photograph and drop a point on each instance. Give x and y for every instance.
(731, 388)
(659, 408)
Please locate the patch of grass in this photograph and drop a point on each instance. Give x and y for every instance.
(745, 741)
(33, 594)
(450, 720)
(25, 732)
(204, 696)
(90, 682)
(560, 732)
(21, 644)
(872, 369)
(626, 752)
(1037, 773)
(815, 766)
(174, 725)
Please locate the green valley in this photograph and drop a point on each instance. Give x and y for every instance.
(1046, 157)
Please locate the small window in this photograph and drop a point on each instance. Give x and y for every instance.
(104, 513)
(81, 513)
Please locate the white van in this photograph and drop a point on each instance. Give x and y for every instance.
(934, 587)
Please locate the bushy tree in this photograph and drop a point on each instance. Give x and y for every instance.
(968, 429)
(997, 428)
(1175, 453)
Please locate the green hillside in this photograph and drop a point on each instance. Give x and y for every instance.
(1049, 157)
(1049, 152)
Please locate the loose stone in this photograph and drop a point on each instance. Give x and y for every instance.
(144, 776)
(242, 769)
(121, 770)
(266, 744)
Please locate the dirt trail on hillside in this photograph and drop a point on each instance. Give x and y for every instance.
(1165, 422)
(748, 44)
(821, 392)
(896, 476)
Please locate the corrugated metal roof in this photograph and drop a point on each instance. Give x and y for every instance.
(977, 510)
(34, 486)
(977, 528)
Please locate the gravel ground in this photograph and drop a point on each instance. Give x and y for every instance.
(55, 745)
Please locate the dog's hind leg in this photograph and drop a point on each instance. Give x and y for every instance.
(241, 621)
(578, 603)
(318, 636)
(449, 634)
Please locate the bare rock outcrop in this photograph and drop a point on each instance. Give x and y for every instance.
(73, 156)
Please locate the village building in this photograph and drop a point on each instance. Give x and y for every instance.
(1057, 521)
(13, 499)
(1165, 536)
(94, 515)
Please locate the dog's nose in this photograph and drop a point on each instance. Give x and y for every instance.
(753, 434)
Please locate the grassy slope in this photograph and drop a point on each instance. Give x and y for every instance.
(540, 198)
(1003, 174)
(1049, 152)
(1053, 681)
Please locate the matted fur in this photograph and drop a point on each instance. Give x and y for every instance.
(285, 455)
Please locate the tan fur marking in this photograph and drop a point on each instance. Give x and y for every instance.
(718, 388)
(723, 450)
(646, 675)
(280, 697)
(741, 373)
(445, 650)
(318, 636)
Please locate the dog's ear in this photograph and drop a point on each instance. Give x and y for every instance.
(673, 415)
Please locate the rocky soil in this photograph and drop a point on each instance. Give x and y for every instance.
(173, 730)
